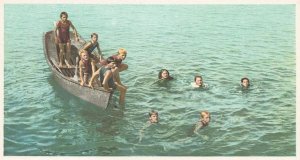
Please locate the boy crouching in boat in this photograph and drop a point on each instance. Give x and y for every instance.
(106, 76)
(86, 67)
(203, 122)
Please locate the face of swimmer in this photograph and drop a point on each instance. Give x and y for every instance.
(164, 74)
(205, 119)
(198, 81)
(245, 83)
(153, 118)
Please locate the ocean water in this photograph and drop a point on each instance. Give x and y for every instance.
(223, 43)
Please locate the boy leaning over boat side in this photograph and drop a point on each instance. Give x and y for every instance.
(62, 38)
(105, 74)
(119, 58)
(86, 67)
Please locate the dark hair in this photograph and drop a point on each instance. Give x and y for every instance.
(197, 77)
(160, 72)
(63, 13)
(94, 34)
(245, 78)
(153, 112)
(110, 59)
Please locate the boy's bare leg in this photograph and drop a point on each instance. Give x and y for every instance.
(122, 90)
(116, 76)
(119, 86)
(61, 54)
(98, 83)
(85, 78)
(123, 67)
(68, 55)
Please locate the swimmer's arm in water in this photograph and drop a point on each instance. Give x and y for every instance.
(142, 131)
(159, 80)
(199, 125)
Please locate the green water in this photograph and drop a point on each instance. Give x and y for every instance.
(223, 43)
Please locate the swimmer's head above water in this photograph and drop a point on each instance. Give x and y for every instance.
(198, 81)
(205, 118)
(164, 74)
(245, 82)
(153, 116)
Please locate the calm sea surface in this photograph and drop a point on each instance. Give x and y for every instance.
(223, 43)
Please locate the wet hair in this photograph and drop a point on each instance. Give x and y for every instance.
(110, 59)
(197, 77)
(202, 113)
(63, 13)
(153, 113)
(161, 71)
(94, 34)
(245, 78)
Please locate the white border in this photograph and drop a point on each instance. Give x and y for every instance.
(152, 1)
(297, 2)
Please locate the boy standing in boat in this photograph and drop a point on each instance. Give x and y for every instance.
(62, 37)
(91, 46)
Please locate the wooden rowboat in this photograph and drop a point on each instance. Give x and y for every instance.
(67, 78)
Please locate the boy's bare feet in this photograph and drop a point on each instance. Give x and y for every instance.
(68, 65)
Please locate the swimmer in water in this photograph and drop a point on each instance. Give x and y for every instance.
(245, 82)
(153, 117)
(164, 75)
(198, 82)
(203, 122)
